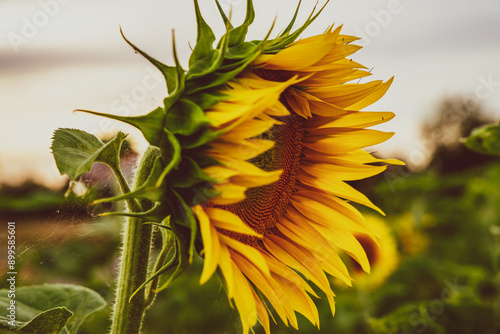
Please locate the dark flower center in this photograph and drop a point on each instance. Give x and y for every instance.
(264, 205)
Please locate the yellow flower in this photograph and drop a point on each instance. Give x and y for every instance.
(413, 240)
(257, 141)
(383, 257)
(293, 135)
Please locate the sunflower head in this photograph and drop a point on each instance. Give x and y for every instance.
(258, 141)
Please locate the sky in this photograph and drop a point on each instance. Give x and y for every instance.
(61, 55)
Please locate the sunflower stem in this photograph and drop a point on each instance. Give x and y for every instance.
(128, 316)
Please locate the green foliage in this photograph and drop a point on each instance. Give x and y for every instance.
(485, 140)
(75, 151)
(50, 308)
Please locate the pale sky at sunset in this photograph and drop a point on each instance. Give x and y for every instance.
(57, 56)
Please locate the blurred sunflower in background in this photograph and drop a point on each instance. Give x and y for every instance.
(257, 141)
(384, 257)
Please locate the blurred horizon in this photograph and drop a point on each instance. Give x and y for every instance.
(56, 56)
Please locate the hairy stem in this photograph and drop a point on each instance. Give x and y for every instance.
(128, 316)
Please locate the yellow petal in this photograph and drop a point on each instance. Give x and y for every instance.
(298, 56)
(247, 251)
(210, 244)
(373, 97)
(347, 242)
(229, 194)
(226, 266)
(243, 149)
(220, 173)
(338, 188)
(229, 221)
(326, 214)
(295, 257)
(245, 303)
(344, 140)
(341, 172)
(351, 120)
(248, 129)
(266, 284)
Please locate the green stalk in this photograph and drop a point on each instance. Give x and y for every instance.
(128, 316)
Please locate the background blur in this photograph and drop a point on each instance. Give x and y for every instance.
(440, 274)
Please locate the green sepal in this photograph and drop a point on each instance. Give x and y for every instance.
(75, 151)
(180, 78)
(169, 72)
(292, 22)
(243, 50)
(198, 194)
(219, 78)
(205, 65)
(216, 78)
(284, 40)
(238, 35)
(182, 257)
(227, 23)
(207, 99)
(170, 151)
(209, 63)
(485, 140)
(203, 160)
(151, 125)
(185, 117)
(188, 175)
(204, 41)
(191, 222)
(200, 138)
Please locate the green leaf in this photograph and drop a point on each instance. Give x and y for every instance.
(50, 321)
(411, 318)
(50, 308)
(75, 151)
(485, 140)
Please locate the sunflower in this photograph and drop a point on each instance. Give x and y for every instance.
(383, 257)
(258, 140)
